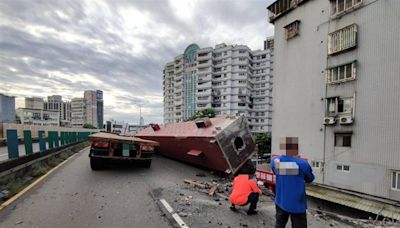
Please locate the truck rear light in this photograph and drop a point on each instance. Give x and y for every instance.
(101, 144)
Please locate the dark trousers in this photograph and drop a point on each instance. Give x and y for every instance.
(252, 200)
(282, 217)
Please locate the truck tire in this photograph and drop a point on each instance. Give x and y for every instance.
(96, 164)
(147, 163)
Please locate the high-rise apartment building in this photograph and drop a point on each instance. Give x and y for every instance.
(336, 87)
(7, 109)
(94, 107)
(90, 98)
(34, 102)
(89, 109)
(100, 109)
(231, 79)
(55, 103)
(78, 112)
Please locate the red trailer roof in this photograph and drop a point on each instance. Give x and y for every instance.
(188, 129)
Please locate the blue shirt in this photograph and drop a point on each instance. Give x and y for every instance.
(290, 189)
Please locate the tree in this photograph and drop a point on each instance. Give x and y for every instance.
(263, 142)
(208, 112)
(89, 126)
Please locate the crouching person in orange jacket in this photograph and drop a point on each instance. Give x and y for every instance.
(245, 191)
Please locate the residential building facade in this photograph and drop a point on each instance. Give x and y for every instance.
(90, 98)
(38, 117)
(231, 79)
(94, 107)
(100, 109)
(55, 103)
(78, 112)
(7, 109)
(336, 88)
(34, 102)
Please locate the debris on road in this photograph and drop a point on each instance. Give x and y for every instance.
(191, 200)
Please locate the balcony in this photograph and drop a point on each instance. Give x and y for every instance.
(203, 93)
(203, 85)
(281, 7)
(204, 63)
(178, 84)
(216, 93)
(178, 102)
(205, 70)
(204, 78)
(204, 56)
(204, 99)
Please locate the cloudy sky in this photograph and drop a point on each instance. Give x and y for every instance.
(118, 46)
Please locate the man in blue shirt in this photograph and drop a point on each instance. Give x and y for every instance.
(291, 174)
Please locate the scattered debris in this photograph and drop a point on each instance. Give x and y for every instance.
(194, 183)
(200, 175)
(19, 222)
(212, 190)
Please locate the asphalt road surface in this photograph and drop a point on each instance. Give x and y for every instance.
(76, 196)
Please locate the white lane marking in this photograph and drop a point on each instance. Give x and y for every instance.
(177, 218)
(167, 206)
(180, 222)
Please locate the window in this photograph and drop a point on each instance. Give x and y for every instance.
(345, 105)
(340, 6)
(396, 180)
(341, 73)
(343, 168)
(292, 29)
(342, 39)
(317, 164)
(342, 139)
(338, 105)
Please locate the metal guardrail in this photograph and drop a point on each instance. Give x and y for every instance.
(54, 140)
(12, 165)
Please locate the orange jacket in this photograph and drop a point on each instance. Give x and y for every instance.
(242, 187)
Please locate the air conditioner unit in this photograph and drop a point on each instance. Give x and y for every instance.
(329, 120)
(346, 120)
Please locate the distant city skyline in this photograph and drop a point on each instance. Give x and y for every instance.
(119, 47)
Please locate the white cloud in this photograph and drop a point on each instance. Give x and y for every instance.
(120, 47)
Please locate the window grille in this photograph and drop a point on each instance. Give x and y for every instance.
(341, 73)
(342, 39)
(292, 29)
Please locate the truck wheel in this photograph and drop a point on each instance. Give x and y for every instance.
(96, 164)
(147, 163)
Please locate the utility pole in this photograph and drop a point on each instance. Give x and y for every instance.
(140, 114)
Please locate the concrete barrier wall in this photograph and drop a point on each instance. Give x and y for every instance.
(35, 129)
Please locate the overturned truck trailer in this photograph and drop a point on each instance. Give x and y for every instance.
(222, 143)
